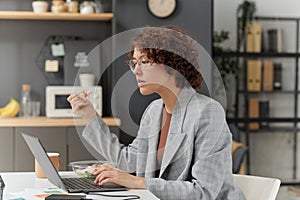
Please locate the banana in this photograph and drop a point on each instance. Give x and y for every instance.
(11, 109)
(1, 109)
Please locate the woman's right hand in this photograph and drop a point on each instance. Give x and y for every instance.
(82, 106)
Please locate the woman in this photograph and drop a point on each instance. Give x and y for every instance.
(183, 146)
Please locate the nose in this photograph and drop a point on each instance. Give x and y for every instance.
(137, 69)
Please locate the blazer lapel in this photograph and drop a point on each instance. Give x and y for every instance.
(174, 142)
(151, 166)
(176, 134)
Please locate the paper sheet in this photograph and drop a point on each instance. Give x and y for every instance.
(35, 193)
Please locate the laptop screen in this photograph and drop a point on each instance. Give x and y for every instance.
(41, 156)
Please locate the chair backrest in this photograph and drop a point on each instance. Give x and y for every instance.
(237, 159)
(257, 188)
(235, 132)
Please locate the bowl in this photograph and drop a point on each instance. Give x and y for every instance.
(85, 169)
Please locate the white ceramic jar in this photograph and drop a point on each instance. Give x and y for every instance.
(87, 7)
(40, 6)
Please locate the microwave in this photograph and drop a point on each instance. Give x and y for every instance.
(58, 106)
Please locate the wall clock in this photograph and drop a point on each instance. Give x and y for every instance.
(161, 8)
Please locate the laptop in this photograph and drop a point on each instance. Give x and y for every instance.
(70, 185)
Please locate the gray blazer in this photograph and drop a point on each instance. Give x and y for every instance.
(197, 161)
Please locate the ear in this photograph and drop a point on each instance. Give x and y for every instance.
(170, 70)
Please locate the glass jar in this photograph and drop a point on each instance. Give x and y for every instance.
(58, 6)
(25, 101)
(72, 6)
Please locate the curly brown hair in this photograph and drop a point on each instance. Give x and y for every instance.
(170, 46)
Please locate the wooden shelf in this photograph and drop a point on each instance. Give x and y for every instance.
(26, 15)
(51, 122)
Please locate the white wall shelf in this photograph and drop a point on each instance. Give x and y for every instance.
(27, 15)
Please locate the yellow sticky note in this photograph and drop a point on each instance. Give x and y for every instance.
(51, 66)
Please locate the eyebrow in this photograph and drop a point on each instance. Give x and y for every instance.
(142, 56)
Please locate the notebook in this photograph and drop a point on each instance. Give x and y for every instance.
(70, 185)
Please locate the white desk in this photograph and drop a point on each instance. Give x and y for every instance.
(18, 181)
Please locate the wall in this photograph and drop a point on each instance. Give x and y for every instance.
(271, 153)
(21, 42)
(193, 16)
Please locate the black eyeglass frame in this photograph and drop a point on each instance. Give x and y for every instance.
(143, 63)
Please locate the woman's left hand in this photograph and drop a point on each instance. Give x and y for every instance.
(113, 175)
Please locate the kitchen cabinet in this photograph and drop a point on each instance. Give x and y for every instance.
(76, 150)
(6, 149)
(54, 139)
(57, 135)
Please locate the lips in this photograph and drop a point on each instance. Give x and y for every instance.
(141, 82)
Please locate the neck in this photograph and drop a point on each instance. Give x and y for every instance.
(169, 97)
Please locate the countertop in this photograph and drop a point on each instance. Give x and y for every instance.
(51, 122)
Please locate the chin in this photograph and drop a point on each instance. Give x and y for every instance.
(144, 91)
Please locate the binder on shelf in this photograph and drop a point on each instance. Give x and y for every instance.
(254, 37)
(264, 112)
(253, 113)
(254, 75)
(277, 76)
(275, 40)
(268, 76)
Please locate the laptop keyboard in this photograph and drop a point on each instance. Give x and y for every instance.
(80, 184)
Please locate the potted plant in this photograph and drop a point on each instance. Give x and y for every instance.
(245, 14)
(226, 65)
(229, 70)
(40, 6)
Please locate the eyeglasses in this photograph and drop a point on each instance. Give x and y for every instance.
(143, 62)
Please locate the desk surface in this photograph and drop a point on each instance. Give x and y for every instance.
(18, 181)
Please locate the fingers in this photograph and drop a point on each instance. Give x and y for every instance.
(82, 106)
(77, 96)
(107, 180)
(77, 101)
(102, 168)
(78, 105)
(106, 176)
(71, 97)
(117, 176)
(99, 171)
